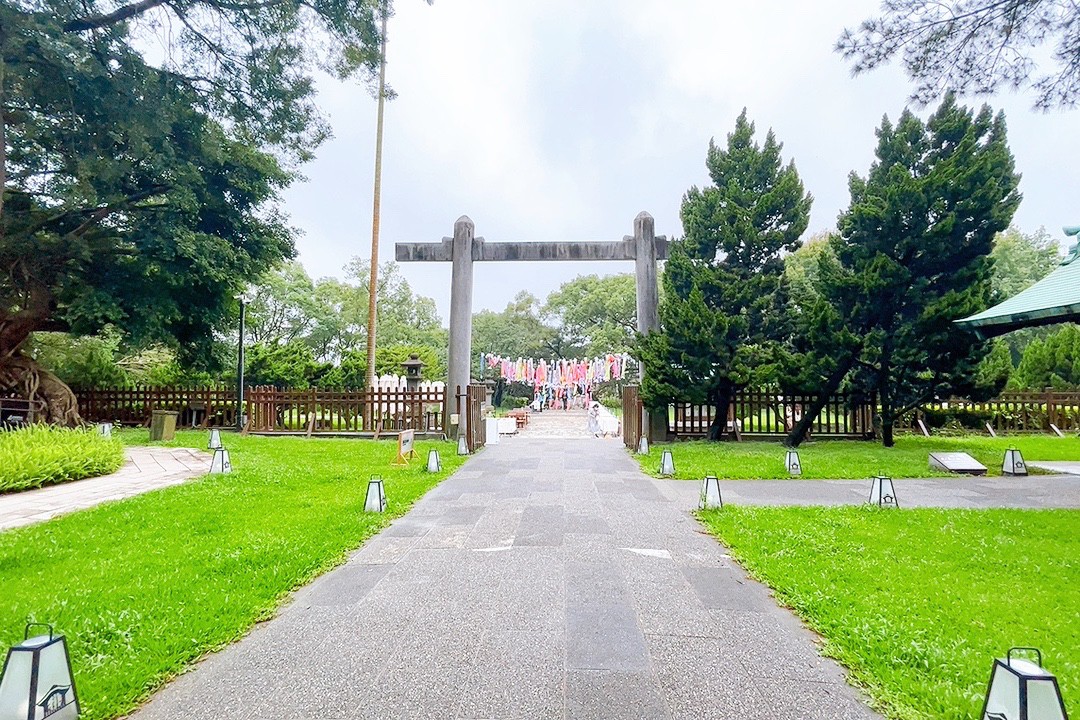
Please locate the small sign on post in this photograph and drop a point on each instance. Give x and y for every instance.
(405, 451)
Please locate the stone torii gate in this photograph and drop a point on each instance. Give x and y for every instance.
(644, 247)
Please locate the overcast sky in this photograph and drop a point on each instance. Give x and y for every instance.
(562, 119)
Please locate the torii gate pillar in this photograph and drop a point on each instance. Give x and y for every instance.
(648, 306)
(644, 248)
(461, 286)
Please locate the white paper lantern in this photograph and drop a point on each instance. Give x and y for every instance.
(434, 463)
(37, 681)
(710, 493)
(643, 446)
(462, 445)
(882, 492)
(667, 464)
(105, 429)
(794, 467)
(1022, 690)
(215, 440)
(221, 463)
(1014, 463)
(375, 498)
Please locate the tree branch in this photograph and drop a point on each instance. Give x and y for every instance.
(95, 22)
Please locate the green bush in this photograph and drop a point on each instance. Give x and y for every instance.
(39, 455)
(957, 418)
(612, 402)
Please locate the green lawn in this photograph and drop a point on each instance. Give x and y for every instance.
(849, 459)
(917, 603)
(145, 586)
(38, 455)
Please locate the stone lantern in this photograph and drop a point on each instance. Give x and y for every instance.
(412, 368)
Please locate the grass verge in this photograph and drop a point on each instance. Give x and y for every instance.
(145, 586)
(38, 455)
(917, 603)
(848, 459)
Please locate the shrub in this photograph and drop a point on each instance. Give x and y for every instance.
(614, 402)
(956, 418)
(39, 455)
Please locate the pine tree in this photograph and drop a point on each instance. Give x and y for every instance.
(913, 251)
(722, 278)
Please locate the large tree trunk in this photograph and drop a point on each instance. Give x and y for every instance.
(23, 376)
(810, 414)
(887, 414)
(3, 136)
(721, 401)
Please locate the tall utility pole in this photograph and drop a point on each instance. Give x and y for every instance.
(373, 272)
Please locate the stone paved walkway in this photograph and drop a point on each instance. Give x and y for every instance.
(1070, 468)
(548, 578)
(1035, 491)
(146, 468)
(560, 424)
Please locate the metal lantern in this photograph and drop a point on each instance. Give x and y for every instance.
(375, 499)
(434, 463)
(882, 492)
(794, 467)
(462, 445)
(221, 463)
(1014, 463)
(667, 464)
(1022, 690)
(105, 429)
(37, 681)
(643, 446)
(215, 440)
(710, 493)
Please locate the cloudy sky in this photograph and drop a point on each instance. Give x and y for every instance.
(562, 119)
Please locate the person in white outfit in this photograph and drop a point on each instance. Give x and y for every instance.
(593, 422)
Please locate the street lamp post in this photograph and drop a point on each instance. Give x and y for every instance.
(375, 214)
(373, 271)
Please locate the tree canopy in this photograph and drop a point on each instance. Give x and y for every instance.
(518, 331)
(144, 146)
(1053, 361)
(975, 46)
(596, 314)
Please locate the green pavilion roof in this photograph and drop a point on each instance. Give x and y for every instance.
(1054, 299)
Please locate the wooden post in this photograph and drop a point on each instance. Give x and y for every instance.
(1051, 418)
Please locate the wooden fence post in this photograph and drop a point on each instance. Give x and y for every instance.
(1051, 418)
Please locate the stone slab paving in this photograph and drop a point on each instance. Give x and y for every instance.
(1034, 491)
(144, 469)
(1069, 468)
(547, 578)
(552, 423)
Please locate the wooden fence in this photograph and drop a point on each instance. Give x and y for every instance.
(15, 412)
(270, 409)
(384, 409)
(1009, 412)
(475, 427)
(757, 413)
(760, 413)
(198, 407)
